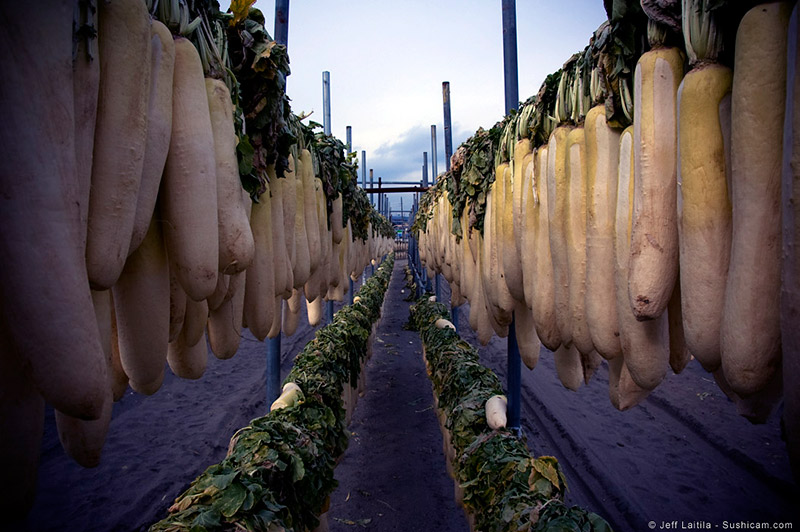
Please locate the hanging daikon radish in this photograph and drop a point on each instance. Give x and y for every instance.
(506, 242)
(188, 361)
(337, 226)
(195, 322)
(575, 233)
(653, 265)
(569, 367)
(306, 173)
(106, 323)
(315, 311)
(159, 129)
(495, 289)
(119, 138)
(46, 306)
(177, 305)
(216, 299)
(83, 440)
(790, 267)
(225, 322)
(119, 381)
(188, 197)
(142, 312)
(301, 268)
(495, 410)
(523, 151)
(704, 206)
(602, 165)
(85, 89)
(277, 318)
(21, 424)
(291, 314)
(750, 334)
(645, 344)
(536, 243)
(556, 223)
(527, 340)
(623, 391)
(236, 247)
(679, 354)
(282, 266)
(259, 304)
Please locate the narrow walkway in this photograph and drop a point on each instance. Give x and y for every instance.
(393, 476)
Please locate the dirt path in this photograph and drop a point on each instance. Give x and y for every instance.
(682, 455)
(393, 476)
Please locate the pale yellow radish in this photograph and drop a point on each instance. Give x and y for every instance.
(645, 344)
(85, 89)
(282, 267)
(236, 247)
(159, 129)
(46, 305)
(527, 339)
(119, 138)
(225, 322)
(575, 233)
(653, 259)
(188, 361)
(259, 304)
(556, 217)
(602, 165)
(704, 206)
(750, 334)
(142, 312)
(188, 197)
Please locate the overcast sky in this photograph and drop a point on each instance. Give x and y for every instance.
(388, 58)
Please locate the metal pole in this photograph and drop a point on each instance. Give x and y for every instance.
(273, 365)
(363, 169)
(512, 100)
(273, 370)
(282, 22)
(326, 102)
(448, 152)
(448, 128)
(434, 155)
(510, 54)
(371, 185)
(380, 194)
(425, 169)
(349, 137)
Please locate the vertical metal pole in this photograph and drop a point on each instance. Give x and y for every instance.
(434, 155)
(448, 128)
(282, 22)
(273, 370)
(448, 152)
(326, 102)
(273, 366)
(512, 100)
(350, 279)
(349, 138)
(371, 185)
(380, 194)
(363, 169)
(510, 54)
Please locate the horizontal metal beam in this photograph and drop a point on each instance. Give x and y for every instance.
(392, 190)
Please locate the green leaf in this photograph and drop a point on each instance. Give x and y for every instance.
(231, 499)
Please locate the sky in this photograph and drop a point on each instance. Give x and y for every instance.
(388, 58)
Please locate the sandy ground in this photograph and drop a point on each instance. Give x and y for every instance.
(683, 455)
